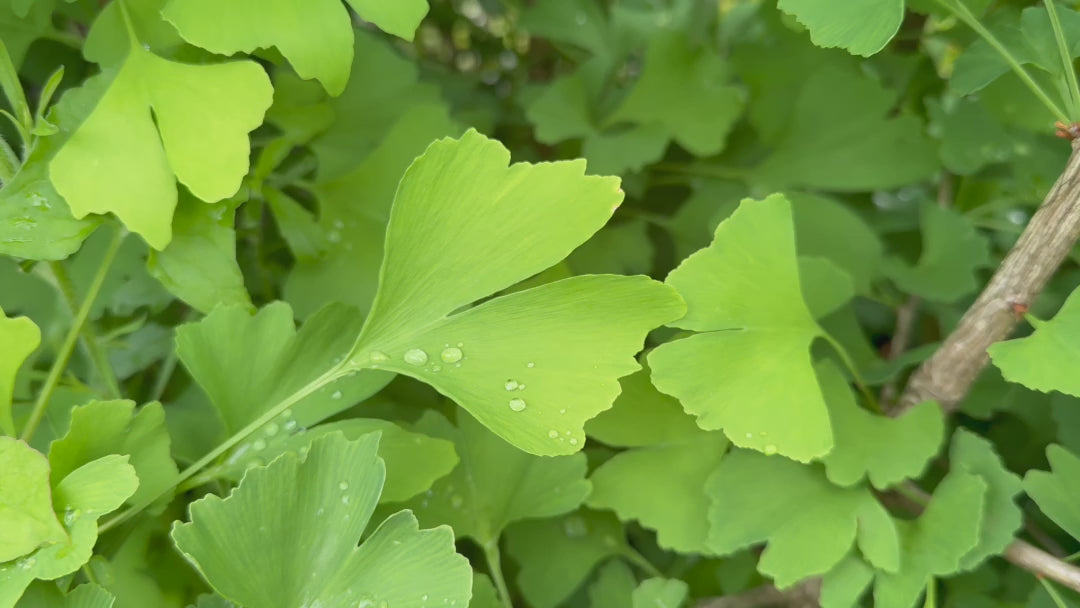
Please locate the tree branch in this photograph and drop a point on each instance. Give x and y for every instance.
(1049, 237)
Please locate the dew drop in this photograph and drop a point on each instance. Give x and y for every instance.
(530, 364)
(377, 356)
(521, 387)
(271, 429)
(451, 354)
(290, 426)
(517, 404)
(343, 486)
(286, 414)
(770, 450)
(456, 501)
(575, 526)
(424, 597)
(415, 356)
(562, 411)
(258, 444)
(336, 395)
(573, 441)
(580, 19)
(345, 500)
(553, 433)
(511, 385)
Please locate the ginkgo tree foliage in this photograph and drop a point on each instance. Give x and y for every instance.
(568, 303)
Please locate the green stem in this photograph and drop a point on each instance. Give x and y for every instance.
(639, 560)
(161, 381)
(871, 400)
(963, 13)
(1066, 58)
(332, 375)
(710, 171)
(64, 354)
(89, 336)
(1052, 592)
(494, 560)
(9, 162)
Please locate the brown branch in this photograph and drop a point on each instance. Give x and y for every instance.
(802, 595)
(1041, 563)
(1049, 237)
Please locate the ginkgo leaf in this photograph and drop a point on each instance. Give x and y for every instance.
(825, 145)
(842, 586)
(89, 595)
(95, 489)
(614, 586)
(936, 542)
(496, 484)
(100, 428)
(818, 219)
(1047, 359)
(1001, 516)
(884, 450)
(303, 551)
(199, 265)
(20, 337)
(1058, 492)
(400, 18)
(27, 520)
(660, 593)
(661, 482)
(809, 523)
(533, 365)
(413, 460)
(557, 554)
(861, 28)
(160, 121)
(748, 371)
(952, 252)
(685, 90)
(246, 364)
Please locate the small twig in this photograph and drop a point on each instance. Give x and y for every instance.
(1049, 237)
(802, 595)
(905, 325)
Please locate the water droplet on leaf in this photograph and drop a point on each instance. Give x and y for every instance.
(377, 356)
(511, 385)
(451, 354)
(517, 404)
(415, 356)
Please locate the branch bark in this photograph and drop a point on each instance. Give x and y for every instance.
(802, 595)
(1049, 237)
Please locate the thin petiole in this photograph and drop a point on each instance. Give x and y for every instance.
(1052, 592)
(1066, 59)
(962, 12)
(494, 560)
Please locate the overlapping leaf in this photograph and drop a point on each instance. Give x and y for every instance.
(884, 450)
(1047, 359)
(748, 371)
(496, 484)
(533, 365)
(1058, 492)
(159, 121)
(661, 482)
(20, 337)
(26, 510)
(862, 28)
(952, 252)
(303, 551)
(315, 36)
(809, 523)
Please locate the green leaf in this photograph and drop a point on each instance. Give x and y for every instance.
(842, 586)
(749, 370)
(935, 544)
(884, 450)
(246, 364)
(101, 428)
(819, 219)
(199, 265)
(840, 136)
(685, 91)
(660, 593)
(562, 345)
(556, 555)
(413, 460)
(614, 587)
(88, 595)
(953, 251)
(20, 337)
(125, 161)
(1058, 492)
(353, 210)
(303, 551)
(810, 524)
(86, 494)
(861, 28)
(1001, 516)
(1046, 360)
(660, 483)
(496, 484)
(27, 520)
(399, 18)
(484, 594)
